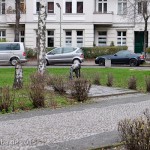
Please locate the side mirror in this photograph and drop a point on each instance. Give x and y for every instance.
(115, 54)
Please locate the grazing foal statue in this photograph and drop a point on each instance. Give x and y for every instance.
(76, 69)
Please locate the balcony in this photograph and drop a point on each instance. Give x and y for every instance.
(11, 16)
(103, 18)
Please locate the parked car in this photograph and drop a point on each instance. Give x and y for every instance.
(12, 52)
(65, 55)
(122, 57)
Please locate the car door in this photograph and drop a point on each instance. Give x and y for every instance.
(68, 54)
(15, 50)
(55, 56)
(5, 52)
(120, 58)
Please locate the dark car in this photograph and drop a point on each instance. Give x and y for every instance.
(122, 57)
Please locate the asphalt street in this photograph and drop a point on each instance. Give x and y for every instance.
(85, 64)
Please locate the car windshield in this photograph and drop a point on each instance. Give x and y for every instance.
(68, 49)
(125, 52)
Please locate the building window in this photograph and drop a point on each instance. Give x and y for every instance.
(37, 38)
(122, 6)
(79, 38)
(102, 6)
(121, 38)
(22, 35)
(50, 38)
(142, 7)
(22, 6)
(2, 35)
(2, 6)
(50, 7)
(68, 40)
(102, 38)
(68, 7)
(37, 6)
(79, 7)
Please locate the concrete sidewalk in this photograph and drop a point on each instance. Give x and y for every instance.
(104, 91)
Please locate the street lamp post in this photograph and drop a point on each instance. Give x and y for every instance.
(58, 5)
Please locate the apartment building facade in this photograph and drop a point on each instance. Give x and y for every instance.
(82, 23)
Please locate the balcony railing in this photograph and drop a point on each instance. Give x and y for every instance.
(10, 10)
(103, 18)
(11, 15)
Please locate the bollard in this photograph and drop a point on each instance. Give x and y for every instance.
(107, 63)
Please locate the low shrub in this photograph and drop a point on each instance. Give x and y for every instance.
(58, 83)
(132, 83)
(148, 49)
(79, 89)
(31, 53)
(110, 80)
(37, 89)
(147, 81)
(112, 43)
(3, 40)
(136, 133)
(96, 79)
(6, 98)
(93, 52)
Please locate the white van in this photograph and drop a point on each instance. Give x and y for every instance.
(11, 52)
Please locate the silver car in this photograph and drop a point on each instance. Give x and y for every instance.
(65, 55)
(12, 52)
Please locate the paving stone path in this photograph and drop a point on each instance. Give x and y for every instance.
(78, 128)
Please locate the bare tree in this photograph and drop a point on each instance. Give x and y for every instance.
(42, 37)
(18, 79)
(17, 5)
(139, 11)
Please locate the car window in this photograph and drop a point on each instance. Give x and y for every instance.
(79, 51)
(15, 46)
(57, 51)
(5, 47)
(68, 49)
(123, 53)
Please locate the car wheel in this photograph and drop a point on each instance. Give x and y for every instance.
(13, 61)
(101, 62)
(133, 62)
(47, 63)
(76, 61)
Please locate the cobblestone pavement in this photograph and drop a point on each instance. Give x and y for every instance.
(79, 127)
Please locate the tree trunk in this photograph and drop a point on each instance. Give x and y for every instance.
(17, 21)
(145, 16)
(145, 38)
(42, 37)
(18, 79)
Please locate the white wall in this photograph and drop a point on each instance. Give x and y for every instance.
(75, 22)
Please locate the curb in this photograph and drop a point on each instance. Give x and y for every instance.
(109, 146)
(117, 94)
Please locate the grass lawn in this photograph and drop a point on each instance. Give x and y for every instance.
(121, 76)
(22, 101)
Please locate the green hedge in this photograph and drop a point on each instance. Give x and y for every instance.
(93, 52)
(32, 52)
(148, 49)
(89, 52)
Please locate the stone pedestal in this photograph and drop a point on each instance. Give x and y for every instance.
(107, 63)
